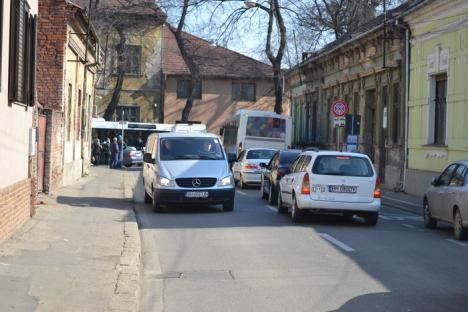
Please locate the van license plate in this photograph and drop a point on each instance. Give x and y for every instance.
(342, 189)
(196, 194)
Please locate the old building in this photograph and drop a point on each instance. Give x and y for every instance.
(229, 81)
(130, 83)
(365, 69)
(18, 115)
(438, 102)
(67, 64)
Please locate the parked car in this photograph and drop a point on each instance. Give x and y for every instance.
(247, 170)
(187, 167)
(277, 167)
(447, 199)
(327, 181)
(132, 156)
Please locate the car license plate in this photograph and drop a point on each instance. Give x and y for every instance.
(342, 189)
(196, 194)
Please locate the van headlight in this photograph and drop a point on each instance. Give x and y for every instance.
(165, 182)
(226, 181)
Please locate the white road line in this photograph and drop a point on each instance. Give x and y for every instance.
(336, 242)
(240, 192)
(271, 208)
(402, 201)
(456, 242)
(409, 226)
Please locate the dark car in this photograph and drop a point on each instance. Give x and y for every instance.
(274, 171)
(132, 156)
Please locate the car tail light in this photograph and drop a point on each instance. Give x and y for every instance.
(131, 153)
(305, 189)
(377, 190)
(250, 166)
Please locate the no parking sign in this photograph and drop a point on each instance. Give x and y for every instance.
(339, 108)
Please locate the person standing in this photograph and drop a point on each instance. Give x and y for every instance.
(96, 152)
(115, 154)
(105, 155)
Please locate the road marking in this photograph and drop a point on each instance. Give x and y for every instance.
(400, 217)
(402, 201)
(240, 192)
(336, 242)
(409, 226)
(456, 242)
(271, 208)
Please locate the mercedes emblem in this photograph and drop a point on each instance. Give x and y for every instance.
(196, 182)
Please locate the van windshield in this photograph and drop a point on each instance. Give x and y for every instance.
(343, 166)
(190, 148)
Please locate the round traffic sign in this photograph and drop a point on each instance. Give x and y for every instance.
(339, 108)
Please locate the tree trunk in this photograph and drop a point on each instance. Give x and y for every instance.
(111, 107)
(278, 85)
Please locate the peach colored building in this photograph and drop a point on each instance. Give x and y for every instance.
(230, 81)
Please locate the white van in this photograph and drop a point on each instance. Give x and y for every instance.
(187, 167)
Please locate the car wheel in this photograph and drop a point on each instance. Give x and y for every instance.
(371, 218)
(429, 221)
(156, 205)
(272, 195)
(242, 183)
(147, 197)
(262, 190)
(281, 207)
(229, 206)
(460, 232)
(297, 214)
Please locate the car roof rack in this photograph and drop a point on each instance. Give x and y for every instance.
(311, 149)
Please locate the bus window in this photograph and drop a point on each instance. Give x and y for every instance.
(266, 127)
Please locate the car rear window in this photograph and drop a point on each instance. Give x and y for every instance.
(260, 154)
(343, 166)
(288, 158)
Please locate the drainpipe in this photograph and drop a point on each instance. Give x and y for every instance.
(407, 77)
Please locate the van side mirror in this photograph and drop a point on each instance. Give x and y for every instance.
(148, 158)
(434, 181)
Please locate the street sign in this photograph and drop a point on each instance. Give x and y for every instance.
(339, 122)
(352, 143)
(339, 108)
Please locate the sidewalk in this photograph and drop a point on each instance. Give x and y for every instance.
(403, 201)
(81, 252)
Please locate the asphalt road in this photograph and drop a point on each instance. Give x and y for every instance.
(254, 259)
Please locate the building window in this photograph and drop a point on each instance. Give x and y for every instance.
(131, 59)
(22, 67)
(243, 91)
(78, 116)
(130, 113)
(440, 109)
(184, 88)
(69, 111)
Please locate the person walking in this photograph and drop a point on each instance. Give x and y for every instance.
(96, 150)
(105, 155)
(115, 154)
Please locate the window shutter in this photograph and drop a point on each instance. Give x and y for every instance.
(32, 65)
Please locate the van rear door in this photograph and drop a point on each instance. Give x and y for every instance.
(342, 178)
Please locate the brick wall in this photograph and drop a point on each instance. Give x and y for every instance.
(15, 207)
(52, 38)
(54, 149)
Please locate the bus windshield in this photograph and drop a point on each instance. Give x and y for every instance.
(266, 127)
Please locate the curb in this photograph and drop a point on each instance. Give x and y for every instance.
(127, 286)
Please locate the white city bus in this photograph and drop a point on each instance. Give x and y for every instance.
(256, 128)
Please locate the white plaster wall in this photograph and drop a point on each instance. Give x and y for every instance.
(15, 120)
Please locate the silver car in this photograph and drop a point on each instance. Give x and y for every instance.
(247, 169)
(447, 199)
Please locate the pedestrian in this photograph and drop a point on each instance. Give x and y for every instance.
(96, 149)
(105, 154)
(140, 144)
(114, 149)
(122, 147)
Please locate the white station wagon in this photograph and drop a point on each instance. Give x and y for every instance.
(327, 181)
